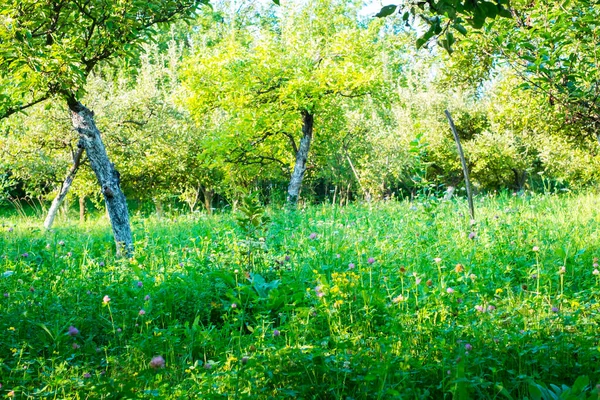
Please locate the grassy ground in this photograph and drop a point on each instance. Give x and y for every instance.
(388, 300)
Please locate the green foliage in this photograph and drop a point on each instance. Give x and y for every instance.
(443, 17)
(553, 45)
(251, 217)
(260, 80)
(49, 48)
(212, 111)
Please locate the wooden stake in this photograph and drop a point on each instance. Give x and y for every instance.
(464, 164)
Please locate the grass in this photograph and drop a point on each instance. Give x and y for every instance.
(378, 301)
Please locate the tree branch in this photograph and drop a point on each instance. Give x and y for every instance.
(12, 110)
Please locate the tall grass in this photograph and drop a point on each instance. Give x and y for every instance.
(382, 300)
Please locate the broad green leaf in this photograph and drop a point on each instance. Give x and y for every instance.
(386, 11)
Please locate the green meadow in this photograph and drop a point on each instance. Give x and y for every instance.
(388, 300)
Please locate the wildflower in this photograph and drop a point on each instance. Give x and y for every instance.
(472, 235)
(25, 255)
(319, 291)
(351, 266)
(491, 308)
(61, 243)
(233, 305)
(338, 256)
(459, 268)
(75, 346)
(535, 248)
(554, 309)
(87, 375)
(287, 258)
(140, 284)
(142, 312)
(534, 276)
(157, 362)
(449, 290)
(69, 254)
(245, 360)
(10, 229)
(11, 394)
(312, 236)
(32, 289)
(119, 330)
(472, 277)
(596, 272)
(181, 264)
(479, 308)
(429, 282)
(473, 222)
(417, 280)
(6, 295)
(72, 331)
(398, 299)
(468, 347)
(437, 260)
(562, 270)
(371, 260)
(106, 299)
(402, 270)
(208, 365)
(276, 333)
(101, 263)
(147, 297)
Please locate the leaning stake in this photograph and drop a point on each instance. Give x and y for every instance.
(464, 164)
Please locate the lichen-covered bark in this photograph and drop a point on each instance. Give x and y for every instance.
(64, 189)
(108, 177)
(301, 157)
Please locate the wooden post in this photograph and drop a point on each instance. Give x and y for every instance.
(464, 164)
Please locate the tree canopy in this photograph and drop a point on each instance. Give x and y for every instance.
(48, 48)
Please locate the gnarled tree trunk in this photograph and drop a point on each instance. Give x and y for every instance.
(158, 206)
(64, 189)
(208, 198)
(301, 157)
(108, 177)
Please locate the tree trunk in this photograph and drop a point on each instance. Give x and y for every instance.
(108, 177)
(158, 205)
(82, 209)
(301, 157)
(64, 188)
(208, 198)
